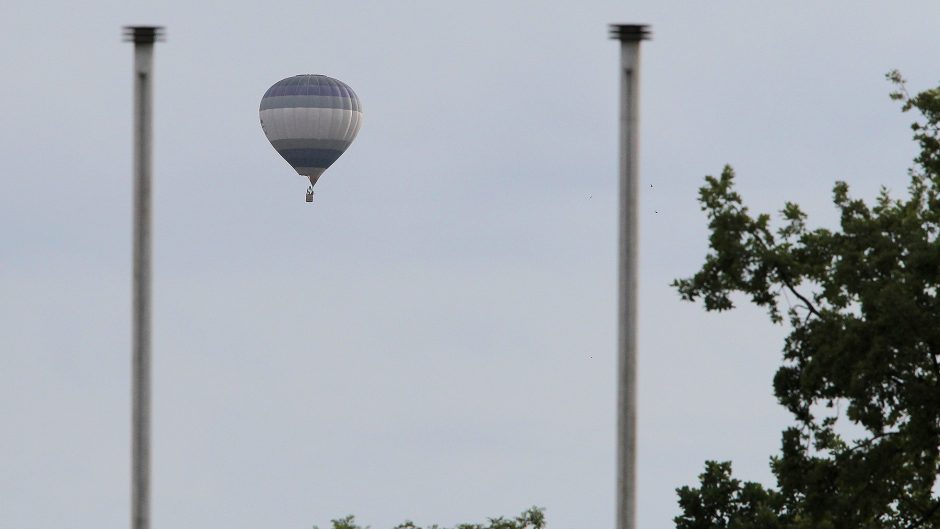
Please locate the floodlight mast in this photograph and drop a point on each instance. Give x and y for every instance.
(143, 38)
(630, 36)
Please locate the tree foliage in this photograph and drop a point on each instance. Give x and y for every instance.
(533, 518)
(862, 305)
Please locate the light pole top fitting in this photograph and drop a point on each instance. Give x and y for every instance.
(143, 34)
(630, 32)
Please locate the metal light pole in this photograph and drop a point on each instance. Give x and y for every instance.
(143, 38)
(629, 37)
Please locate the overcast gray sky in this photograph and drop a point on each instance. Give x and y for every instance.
(434, 339)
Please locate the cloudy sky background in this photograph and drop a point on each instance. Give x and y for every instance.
(434, 339)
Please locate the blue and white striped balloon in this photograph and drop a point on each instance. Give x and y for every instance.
(310, 120)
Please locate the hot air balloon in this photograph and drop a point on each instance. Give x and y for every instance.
(310, 120)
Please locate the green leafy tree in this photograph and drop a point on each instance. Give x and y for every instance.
(862, 306)
(534, 518)
(724, 502)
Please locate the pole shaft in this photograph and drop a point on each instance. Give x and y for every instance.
(140, 444)
(627, 286)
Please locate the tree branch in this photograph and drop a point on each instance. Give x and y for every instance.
(809, 306)
(784, 277)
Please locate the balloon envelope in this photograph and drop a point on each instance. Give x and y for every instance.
(310, 120)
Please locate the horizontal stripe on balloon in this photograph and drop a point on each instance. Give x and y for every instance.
(321, 158)
(310, 143)
(324, 88)
(345, 103)
(326, 123)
